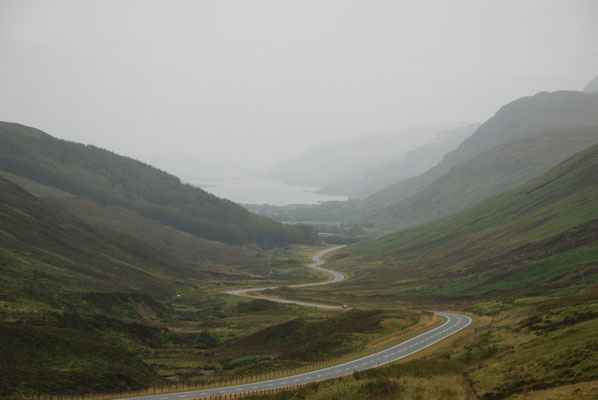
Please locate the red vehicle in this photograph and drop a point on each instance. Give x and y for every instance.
(345, 306)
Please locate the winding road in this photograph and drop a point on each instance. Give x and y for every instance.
(453, 324)
(337, 277)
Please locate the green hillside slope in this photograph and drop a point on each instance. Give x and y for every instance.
(544, 111)
(540, 236)
(215, 259)
(66, 290)
(106, 177)
(493, 172)
(118, 301)
(74, 246)
(43, 246)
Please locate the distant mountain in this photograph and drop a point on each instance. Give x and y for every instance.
(573, 115)
(592, 86)
(348, 160)
(544, 111)
(411, 164)
(495, 171)
(106, 177)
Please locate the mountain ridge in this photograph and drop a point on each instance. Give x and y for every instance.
(544, 110)
(492, 172)
(344, 160)
(592, 86)
(104, 176)
(414, 162)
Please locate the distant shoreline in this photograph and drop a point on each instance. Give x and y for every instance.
(262, 191)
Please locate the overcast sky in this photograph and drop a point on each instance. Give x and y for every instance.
(236, 86)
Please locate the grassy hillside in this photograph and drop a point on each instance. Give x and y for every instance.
(539, 237)
(66, 289)
(108, 178)
(60, 252)
(99, 298)
(304, 341)
(216, 260)
(542, 112)
(493, 172)
(118, 301)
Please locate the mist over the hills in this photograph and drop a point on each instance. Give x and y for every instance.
(347, 160)
(592, 86)
(222, 89)
(173, 175)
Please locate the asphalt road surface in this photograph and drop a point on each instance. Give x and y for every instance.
(336, 276)
(453, 324)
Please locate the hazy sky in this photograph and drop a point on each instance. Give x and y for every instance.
(244, 84)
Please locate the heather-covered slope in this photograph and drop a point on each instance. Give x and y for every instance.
(97, 305)
(541, 236)
(62, 253)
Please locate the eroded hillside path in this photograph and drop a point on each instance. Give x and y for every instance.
(453, 324)
(317, 258)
